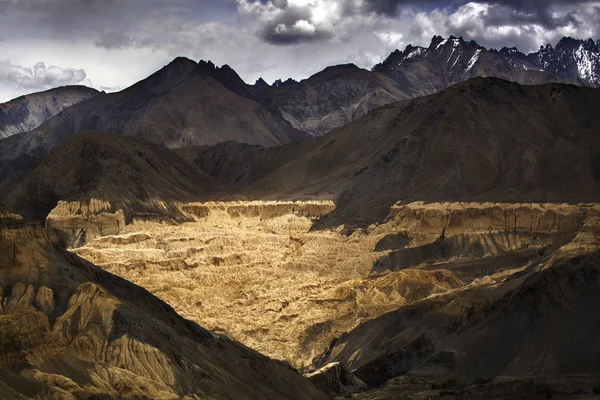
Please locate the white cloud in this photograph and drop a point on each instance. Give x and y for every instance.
(390, 37)
(39, 76)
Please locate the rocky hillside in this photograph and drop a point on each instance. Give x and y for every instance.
(72, 330)
(26, 113)
(333, 97)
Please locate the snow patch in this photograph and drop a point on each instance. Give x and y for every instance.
(473, 60)
(416, 52)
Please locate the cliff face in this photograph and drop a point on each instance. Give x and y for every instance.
(70, 330)
(79, 222)
(261, 209)
(451, 232)
(335, 379)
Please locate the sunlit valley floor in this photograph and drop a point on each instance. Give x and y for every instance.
(260, 273)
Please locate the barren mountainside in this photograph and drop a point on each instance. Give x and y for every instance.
(484, 140)
(188, 238)
(333, 97)
(185, 103)
(26, 113)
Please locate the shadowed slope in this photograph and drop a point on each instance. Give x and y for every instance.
(126, 171)
(536, 323)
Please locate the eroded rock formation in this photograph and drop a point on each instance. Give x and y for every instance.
(295, 289)
(70, 330)
(79, 221)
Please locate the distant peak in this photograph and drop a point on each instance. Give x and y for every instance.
(435, 41)
(181, 59)
(206, 66)
(261, 84)
(287, 82)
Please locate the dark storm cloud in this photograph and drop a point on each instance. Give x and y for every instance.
(293, 25)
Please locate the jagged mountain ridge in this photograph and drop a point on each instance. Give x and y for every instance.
(571, 59)
(577, 59)
(341, 94)
(449, 61)
(27, 112)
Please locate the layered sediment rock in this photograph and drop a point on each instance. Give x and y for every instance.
(70, 330)
(500, 233)
(518, 218)
(262, 209)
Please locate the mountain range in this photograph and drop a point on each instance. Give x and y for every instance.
(429, 228)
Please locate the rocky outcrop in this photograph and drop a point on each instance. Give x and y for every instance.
(335, 379)
(81, 221)
(517, 218)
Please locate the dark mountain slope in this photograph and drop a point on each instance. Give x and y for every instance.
(26, 113)
(213, 105)
(125, 171)
(71, 330)
(482, 140)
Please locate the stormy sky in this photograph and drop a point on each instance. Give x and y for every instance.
(111, 44)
